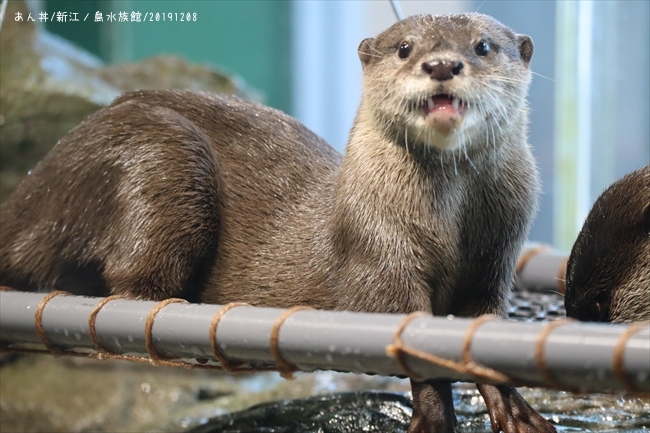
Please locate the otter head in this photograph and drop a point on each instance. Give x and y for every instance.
(608, 273)
(445, 81)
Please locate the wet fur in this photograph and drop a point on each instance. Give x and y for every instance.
(216, 199)
(608, 274)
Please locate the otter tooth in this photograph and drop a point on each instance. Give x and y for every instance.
(430, 103)
(455, 103)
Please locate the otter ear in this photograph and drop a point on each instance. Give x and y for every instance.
(366, 50)
(525, 45)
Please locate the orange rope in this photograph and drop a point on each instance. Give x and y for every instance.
(540, 356)
(38, 321)
(227, 365)
(618, 364)
(285, 368)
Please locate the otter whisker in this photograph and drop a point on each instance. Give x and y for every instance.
(406, 139)
(542, 76)
(442, 166)
(467, 156)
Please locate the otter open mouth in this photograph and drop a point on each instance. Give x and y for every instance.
(442, 112)
(443, 103)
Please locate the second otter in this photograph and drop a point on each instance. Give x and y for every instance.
(212, 198)
(608, 273)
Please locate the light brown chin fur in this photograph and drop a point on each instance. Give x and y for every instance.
(447, 126)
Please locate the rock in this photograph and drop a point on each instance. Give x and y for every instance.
(48, 85)
(364, 411)
(44, 393)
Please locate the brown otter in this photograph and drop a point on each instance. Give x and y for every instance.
(608, 274)
(216, 199)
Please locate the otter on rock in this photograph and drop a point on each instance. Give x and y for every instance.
(608, 273)
(175, 193)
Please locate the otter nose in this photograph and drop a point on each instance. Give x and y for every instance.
(442, 70)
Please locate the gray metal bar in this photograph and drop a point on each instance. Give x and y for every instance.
(543, 270)
(579, 355)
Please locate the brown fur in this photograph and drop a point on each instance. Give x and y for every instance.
(608, 274)
(213, 198)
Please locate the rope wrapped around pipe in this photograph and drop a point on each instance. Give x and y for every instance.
(574, 356)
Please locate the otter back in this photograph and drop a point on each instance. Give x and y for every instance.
(137, 198)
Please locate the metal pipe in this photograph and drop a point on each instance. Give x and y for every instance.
(541, 268)
(579, 356)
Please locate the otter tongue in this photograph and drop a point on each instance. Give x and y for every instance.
(441, 102)
(444, 113)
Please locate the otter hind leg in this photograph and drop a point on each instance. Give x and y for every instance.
(120, 205)
(172, 201)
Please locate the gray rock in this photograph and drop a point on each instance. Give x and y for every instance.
(48, 85)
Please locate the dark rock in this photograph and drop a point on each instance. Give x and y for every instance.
(336, 413)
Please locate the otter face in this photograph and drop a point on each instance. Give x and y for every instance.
(608, 273)
(446, 81)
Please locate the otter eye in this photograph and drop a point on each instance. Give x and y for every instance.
(404, 50)
(482, 49)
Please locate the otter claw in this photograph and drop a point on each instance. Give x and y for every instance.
(509, 412)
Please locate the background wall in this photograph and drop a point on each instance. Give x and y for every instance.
(251, 39)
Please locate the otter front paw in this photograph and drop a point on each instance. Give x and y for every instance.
(509, 412)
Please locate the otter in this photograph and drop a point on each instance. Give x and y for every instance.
(608, 273)
(211, 198)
